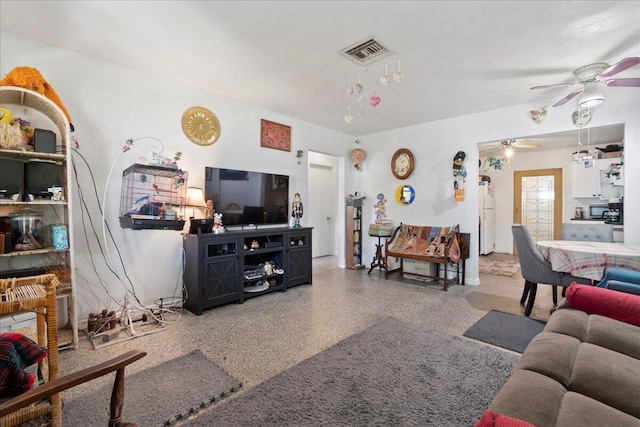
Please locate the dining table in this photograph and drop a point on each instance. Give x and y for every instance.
(589, 259)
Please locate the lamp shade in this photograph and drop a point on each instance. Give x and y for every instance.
(591, 96)
(195, 197)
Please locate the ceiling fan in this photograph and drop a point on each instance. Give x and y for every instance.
(508, 146)
(591, 76)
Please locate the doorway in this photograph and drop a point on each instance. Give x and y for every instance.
(322, 207)
(537, 202)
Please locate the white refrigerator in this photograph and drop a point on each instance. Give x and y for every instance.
(487, 219)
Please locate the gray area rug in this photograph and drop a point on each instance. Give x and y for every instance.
(156, 396)
(391, 374)
(505, 330)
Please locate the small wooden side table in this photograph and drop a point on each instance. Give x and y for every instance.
(379, 259)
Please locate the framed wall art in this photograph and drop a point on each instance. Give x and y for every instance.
(275, 135)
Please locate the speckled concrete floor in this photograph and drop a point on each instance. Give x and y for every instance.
(268, 334)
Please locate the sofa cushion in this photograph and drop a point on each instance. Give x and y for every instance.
(558, 352)
(606, 376)
(603, 331)
(579, 410)
(531, 397)
(617, 336)
(605, 302)
(568, 321)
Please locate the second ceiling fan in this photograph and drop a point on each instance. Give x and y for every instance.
(591, 76)
(508, 147)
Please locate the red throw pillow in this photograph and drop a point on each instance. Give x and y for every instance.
(493, 419)
(605, 302)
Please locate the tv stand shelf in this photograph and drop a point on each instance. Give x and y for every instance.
(229, 267)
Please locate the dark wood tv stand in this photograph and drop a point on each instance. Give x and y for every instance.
(219, 270)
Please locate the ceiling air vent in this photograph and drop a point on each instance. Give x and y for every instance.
(366, 52)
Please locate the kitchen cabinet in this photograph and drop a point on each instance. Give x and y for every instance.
(590, 180)
(618, 233)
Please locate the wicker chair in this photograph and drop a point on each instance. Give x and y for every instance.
(36, 294)
(23, 402)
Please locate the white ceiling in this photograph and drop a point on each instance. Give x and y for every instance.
(459, 57)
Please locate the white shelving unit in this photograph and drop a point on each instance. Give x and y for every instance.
(44, 114)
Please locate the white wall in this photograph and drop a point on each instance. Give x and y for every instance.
(110, 104)
(434, 145)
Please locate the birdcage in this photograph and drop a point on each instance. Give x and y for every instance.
(153, 197)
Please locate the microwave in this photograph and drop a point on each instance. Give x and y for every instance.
(598, 211)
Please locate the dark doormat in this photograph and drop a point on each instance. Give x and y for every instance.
(156, 396)
(505, 330)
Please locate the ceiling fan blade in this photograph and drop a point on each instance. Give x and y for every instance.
(620, 66)
(527, 145)
(569, 97)
(558, 85)
(632, 82)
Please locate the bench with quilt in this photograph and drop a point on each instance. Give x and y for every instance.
(437, 245)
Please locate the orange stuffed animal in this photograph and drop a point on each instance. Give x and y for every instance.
(30, 78)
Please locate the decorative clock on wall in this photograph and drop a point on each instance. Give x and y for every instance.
(201, 126)
(402, 163)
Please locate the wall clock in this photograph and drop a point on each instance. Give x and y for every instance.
(201, 126)
(402, 163)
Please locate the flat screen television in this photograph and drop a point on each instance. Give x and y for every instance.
(247, 197)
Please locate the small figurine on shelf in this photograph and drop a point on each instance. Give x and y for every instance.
(209, 211)
(217, 223)
(297, 209)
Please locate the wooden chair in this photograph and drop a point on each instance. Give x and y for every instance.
(36, 294)
(10, 410)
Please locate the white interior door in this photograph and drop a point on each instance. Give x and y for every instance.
(322, 208)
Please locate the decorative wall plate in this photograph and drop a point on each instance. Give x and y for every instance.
(201, 126)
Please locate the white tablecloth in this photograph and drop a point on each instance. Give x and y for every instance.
(589, 259)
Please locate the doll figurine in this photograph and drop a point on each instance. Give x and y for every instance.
(209, 210)
(380, 208)
(297, 209)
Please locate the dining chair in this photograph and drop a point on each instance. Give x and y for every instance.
(587, 232)
(536, 269)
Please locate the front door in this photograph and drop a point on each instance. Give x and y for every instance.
(537, 202)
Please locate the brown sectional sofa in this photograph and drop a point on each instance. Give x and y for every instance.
(582, 370)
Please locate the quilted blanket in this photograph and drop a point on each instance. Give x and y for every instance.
(17, 352)
(426, 241)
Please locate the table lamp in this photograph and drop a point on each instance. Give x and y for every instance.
(195, 199)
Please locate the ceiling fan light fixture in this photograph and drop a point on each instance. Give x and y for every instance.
(590, 98)
(508, 152)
